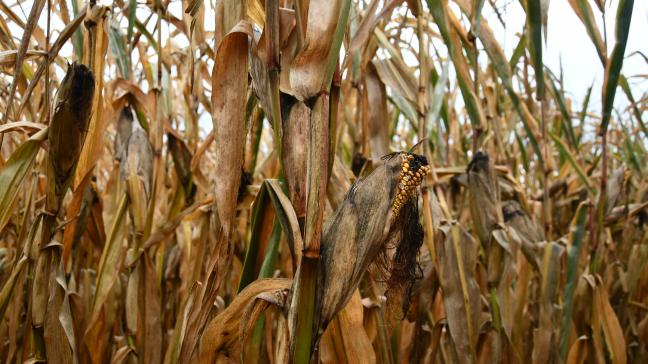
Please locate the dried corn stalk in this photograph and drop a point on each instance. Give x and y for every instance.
(50, 312)
(379, 211)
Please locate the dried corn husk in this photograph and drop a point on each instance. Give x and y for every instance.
(68, 128)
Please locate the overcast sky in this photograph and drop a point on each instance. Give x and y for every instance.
(567, 41)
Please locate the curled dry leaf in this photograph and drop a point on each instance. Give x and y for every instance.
(345, 340)
(308, 69)
(221, 336)
(96, 19)
(261, 52)
(457, 259)
(229, 95)
(374, 109)
(14, 172)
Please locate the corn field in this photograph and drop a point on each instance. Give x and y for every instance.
(317, 181)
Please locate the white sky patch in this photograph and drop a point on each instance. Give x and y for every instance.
(568, 43)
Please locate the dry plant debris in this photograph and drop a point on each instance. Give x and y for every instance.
(227, 182)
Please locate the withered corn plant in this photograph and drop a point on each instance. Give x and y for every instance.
(317, 181)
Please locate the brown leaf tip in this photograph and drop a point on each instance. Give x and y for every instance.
(479, 163)
(82, 90)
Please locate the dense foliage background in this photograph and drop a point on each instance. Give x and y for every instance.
(172, 199)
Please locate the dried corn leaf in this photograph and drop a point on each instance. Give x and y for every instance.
(96, 127)
(106, 275)
(457, 259)
(14, 172)
(347, 340)
(221, 336)
(534, 30)
(607, 318)
(375, 112)
(229, 95)
(439, 10)
(614, 64)
(312, 68)
(584, 12)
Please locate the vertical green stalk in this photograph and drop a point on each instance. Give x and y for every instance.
(495, 309)
(77, 38)
(534, 21)
(267, 267)
(41, 282)
(304, 329)
(612, 75)
(305, 319)
(546, 202)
